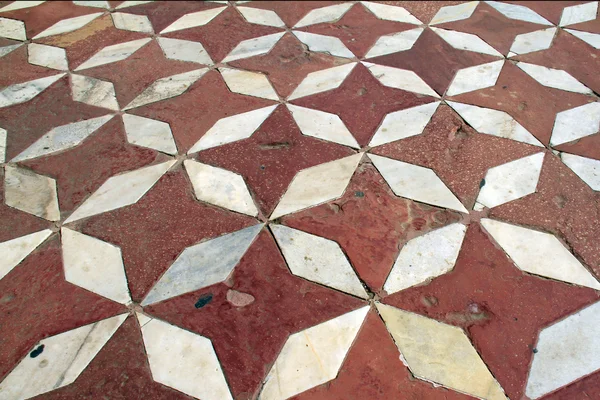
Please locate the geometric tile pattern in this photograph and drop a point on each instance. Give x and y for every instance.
(186, 200)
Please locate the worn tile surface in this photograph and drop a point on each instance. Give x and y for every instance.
(308, 200)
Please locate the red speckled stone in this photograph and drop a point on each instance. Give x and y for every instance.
(564, 205)
(592, 26)
(156, 229)
(81, 170)
(373, 370)
(551, 10)
(501, 308)
(456, 152)
(423, 10)
(362, 102)
(434, 60)
(272, 156)
(119, 371)
(290, 12)
(572, 55)
(134, 74)
(248, 339)
(588, 146)
(288, 63)
(14, 68)
(533, 105)
(371, 224)
(359, 29)
(36, 302)
(588, 387)
(215, 42)
(27, 122)
(193, 113)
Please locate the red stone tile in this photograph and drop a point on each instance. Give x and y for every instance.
(247, 339)
(36, 302)
(493, 27)
(83, 43)
(586, 388)
(564, 205)
(14, 68)
(119, 371)
(428, 47)
(588, 26)
(551, 10)
(572, 55)
(373, 370)
(134, 74)
(27, 122)
(211, 35)
(362, 102)
(588, 146)
(358, 29)
(288, 63)
(43, 16)
(501, 308)
(533, 105)
(423, 10)
(156, 229)
(371, 224)
(199, 108)
(456, 152)
(272, 156)
(290, 12)
(81, 170)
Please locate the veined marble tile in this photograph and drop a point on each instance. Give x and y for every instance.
(324, 14)
(403, 79)
(3, 136)
(316, 185)
(394, 43)
(576, 123)
(248, 83)
(88, 3)
(232, 129)
(165, 88)
(454, 13)
(131, 3)
(94, 92)
(203, 264)
(8, 49)
(524, 247)
(22, 92)
(94, 265)
(62, 360)
(520, 13)
(511, 181)
(317, 259)
(220, 187)
(12, 29)
(587, 169)
(404, 123)
(47, 56)
(416, 183)
(193, 20)
(62, 138)
(19, 5)
(261, 17)
(114, 53)
(253, 47)
(324, 44)
(475, 78)
(322, 125)
(14, 251)
(532, 41)
(68, 25)
(426, 257)
(132, 22)
(579, 13)
(440, 353)
(322, 81)
(312, 357)
(466, 41)
(566, 351)
(554, 78)
(30, 192)
(184, 361)
(121, 190)
(149, 133)
(494, 122)
(184, 50)
(593, 39)
(391, 13)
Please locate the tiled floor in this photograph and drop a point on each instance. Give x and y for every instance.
(314, 200)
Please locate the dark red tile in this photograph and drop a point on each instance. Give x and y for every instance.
(586, 388)
(588, 146)
(247, 339)
(272, 156)
(371, 224)
(290, 12)
(14, 68)
(156, 229)
(592, 26)
(288, 63)
(199, 108)
(36, 302)
(423, 10)
(501, 308)
(362, 102)
(434, 60)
